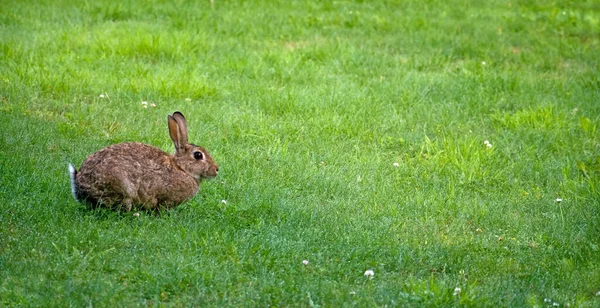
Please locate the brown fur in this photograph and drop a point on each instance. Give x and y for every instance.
(128, 175)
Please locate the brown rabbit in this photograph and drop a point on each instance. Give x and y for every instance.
(132, 174)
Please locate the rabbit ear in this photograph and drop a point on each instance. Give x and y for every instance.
(178, 131)
(182, 123)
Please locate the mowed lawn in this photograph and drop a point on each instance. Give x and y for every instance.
(372, 153)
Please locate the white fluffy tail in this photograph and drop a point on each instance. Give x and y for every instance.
(73, 173)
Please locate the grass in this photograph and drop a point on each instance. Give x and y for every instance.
(349, 134)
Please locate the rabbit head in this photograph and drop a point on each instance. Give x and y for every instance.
(190, 158)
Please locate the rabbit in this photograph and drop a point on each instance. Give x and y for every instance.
(130, 175)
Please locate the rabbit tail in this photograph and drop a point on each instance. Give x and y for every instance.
(74, 188)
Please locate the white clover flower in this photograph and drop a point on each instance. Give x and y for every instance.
(153, 105)
(224, 202)
(396, 165)
(457, 291)
(188, 99)
(101, 96)
(369, 273)
(136, 214)
(558, 200)
(547, 300)
(482, 62)
(305, 262)
(487, 143)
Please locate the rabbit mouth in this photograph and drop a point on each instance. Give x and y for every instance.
(210, 176)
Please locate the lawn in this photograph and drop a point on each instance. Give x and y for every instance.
(449, 148)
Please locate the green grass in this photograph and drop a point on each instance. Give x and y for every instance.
(306, 106)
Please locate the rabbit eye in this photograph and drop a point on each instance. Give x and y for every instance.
(198, 155)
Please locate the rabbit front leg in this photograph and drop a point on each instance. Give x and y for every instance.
(130, 193)
(128, 203)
